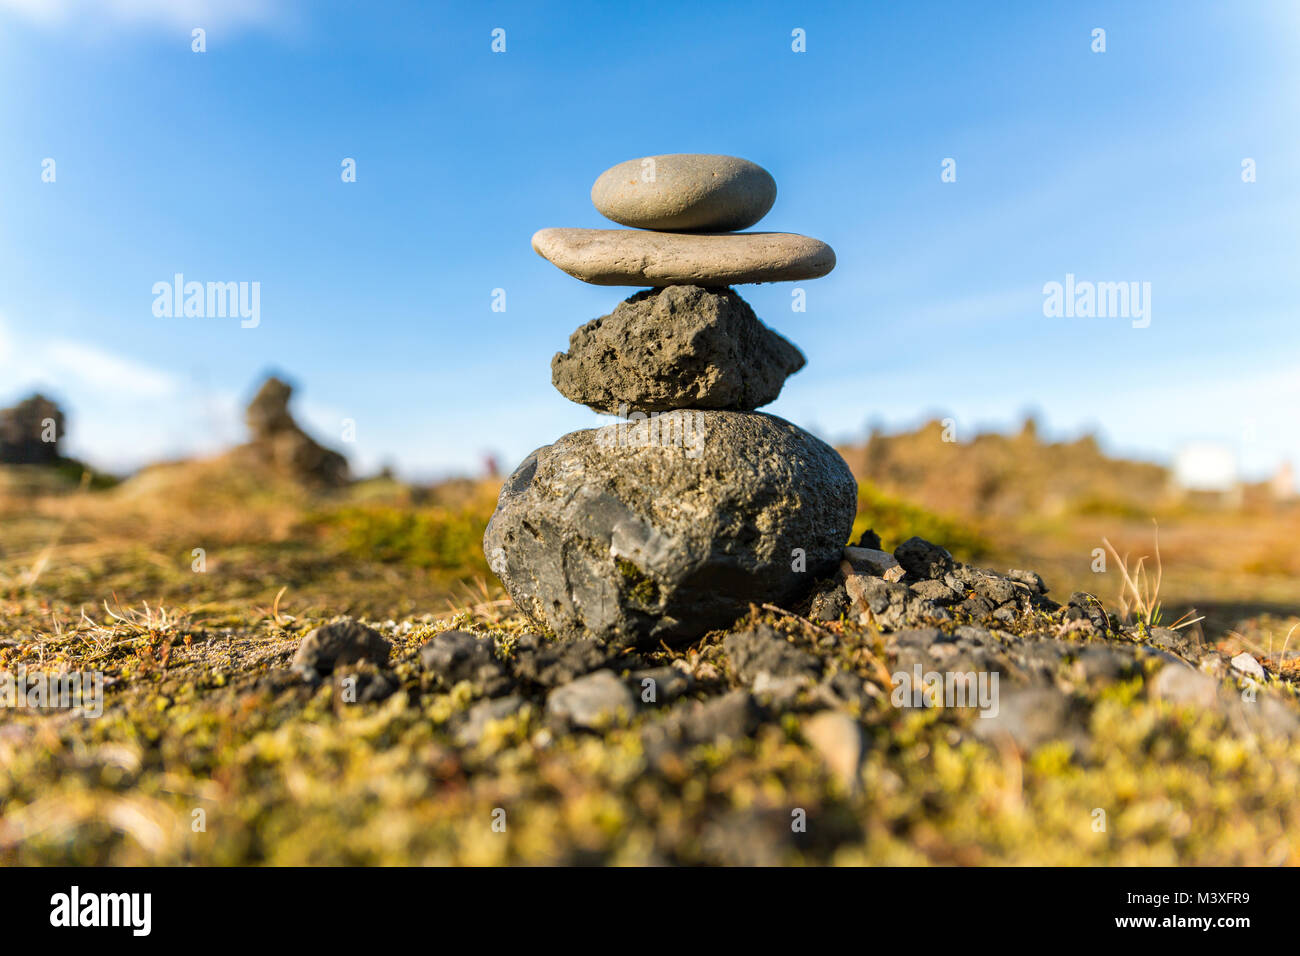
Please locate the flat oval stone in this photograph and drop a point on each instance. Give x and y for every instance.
(633, 257)
(685, 191)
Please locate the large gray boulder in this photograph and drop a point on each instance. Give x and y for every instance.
(678, 347)
(661, 530)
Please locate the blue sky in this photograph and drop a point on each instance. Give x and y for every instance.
(376, 295)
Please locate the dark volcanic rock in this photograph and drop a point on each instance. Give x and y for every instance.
(997, 590)
(728, 717)
(870, 540)
(891, 604)
(676, 347)
(461, 656)
(733, 715)
(936, 591)
(1087, 607)
(342, 642)
(658, 685)
(370, 686)
(921, 637)
(923, 560)
(829, 604)
(277, 440)
(550, 665)
(1031, 716)
(765, 650)
(30, 432)
(637, 543)
(1031, 579)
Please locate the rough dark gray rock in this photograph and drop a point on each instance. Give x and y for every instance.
(733, 715)
(553, 664)
(659, 685)
(848, 688)
(920, 637)
(637, 542)
(975, 607)
(1082, 606)
(880, 564)
(829, 604)
(997, 590)
(30, 432)
(891, 604)
(1098, 662)
(923, 560)
(871, 540)
(339, 643)
(1031, 716)
(765, 650)
(456, 656)
(1000, 595)
(592, 701)
(677, 347)
(476, 720)
(936, 591)
(1032, 579)
(371, 686)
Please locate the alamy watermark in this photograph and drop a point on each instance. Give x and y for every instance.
(683, 428)
(75, 690)
(947, 690)
(133, 911)
(210, 300)
(1102, 300)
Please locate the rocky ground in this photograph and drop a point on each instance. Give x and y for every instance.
(302, 669)
(248, 733)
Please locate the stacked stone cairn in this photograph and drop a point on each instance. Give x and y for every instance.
(692, 506)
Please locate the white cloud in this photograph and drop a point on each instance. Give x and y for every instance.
(96, 367)
(122, 412)
(169, 13)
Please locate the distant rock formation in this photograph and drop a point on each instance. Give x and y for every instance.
(279, 442)
(30, 432)
(1002, 476)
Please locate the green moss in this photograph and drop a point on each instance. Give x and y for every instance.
(289, 775)
(896, 520)
(202, 715)
(438, 538)
(640, 587)
(76, 472)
